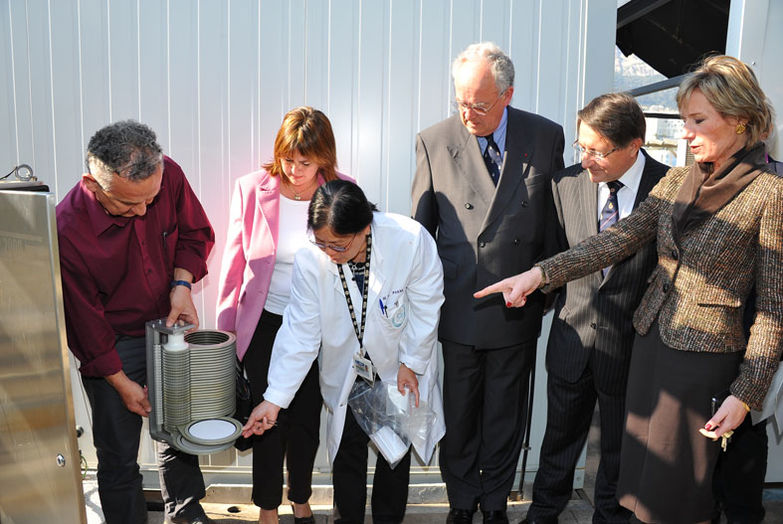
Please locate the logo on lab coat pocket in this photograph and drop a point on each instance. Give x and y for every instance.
(399, 315)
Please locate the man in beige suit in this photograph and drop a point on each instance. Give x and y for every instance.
(482, 189)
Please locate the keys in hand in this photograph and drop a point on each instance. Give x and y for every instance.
(724, 439)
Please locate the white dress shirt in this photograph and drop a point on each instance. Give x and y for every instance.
(626, 196)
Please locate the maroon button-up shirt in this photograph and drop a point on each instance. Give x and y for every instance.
(116, 271)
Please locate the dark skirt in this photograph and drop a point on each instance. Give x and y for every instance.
(666, 465)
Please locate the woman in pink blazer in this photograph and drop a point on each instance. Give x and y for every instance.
(268, 224)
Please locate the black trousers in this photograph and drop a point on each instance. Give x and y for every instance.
(349, 475)
(485, 407)
(296, 436)
(569, 415)
(738, 480)
(116, 433)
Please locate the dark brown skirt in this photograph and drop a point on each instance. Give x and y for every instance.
(666, 465)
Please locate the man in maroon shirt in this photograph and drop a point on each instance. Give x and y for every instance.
(133, 238)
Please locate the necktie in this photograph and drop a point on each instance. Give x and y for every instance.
(611, 210)
(493, 159)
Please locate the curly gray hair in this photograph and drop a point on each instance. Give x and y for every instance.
(127, 149)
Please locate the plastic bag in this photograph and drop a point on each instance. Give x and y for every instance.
(391, 420)
(244, 406)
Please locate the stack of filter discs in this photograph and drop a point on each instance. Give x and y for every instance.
(212, 374)
(212, 391)
(176, 387)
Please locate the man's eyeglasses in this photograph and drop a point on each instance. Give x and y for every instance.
(480, 109)
(334, 247)
(592, 152)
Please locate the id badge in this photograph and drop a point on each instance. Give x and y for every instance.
(364, 368)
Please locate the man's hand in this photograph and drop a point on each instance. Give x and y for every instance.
(133, 396)
(728, 417)
(263, 418)
(515, 289)
(182, 307)
(406, 378)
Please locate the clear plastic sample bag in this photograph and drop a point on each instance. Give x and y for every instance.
(391, 420)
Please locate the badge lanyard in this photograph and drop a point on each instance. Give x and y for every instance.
(359, 330)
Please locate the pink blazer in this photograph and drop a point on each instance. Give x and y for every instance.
(249, 255)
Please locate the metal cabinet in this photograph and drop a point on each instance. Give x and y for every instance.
(39, 459)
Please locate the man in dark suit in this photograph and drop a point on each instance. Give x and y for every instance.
(482, 189)
(590, 341)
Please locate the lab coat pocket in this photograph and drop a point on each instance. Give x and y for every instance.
(394, 313)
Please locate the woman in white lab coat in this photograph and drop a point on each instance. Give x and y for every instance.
(400, 307)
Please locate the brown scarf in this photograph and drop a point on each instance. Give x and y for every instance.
(704, 192)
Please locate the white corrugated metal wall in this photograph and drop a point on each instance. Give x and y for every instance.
(754, 37)
(214, 79)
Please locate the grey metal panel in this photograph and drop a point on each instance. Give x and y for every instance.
(7, 103)
(123, 47)
(495, 25)
(154, 68)
(212, 167)
(400, 107)
(21, 90)
(342, 84)
(96, 91)
(524, 48)
(41, 111)
(315, 32)
(371, 65)
(183, 87)
(434, 91)
(36, 417)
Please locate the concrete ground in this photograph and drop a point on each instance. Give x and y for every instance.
(578, 511)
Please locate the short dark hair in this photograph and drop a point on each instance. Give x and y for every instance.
(341, 206)
(615, 116)
(127, 149)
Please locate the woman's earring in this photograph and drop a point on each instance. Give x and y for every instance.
(740, 129)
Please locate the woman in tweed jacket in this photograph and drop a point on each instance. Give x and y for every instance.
(719, 229)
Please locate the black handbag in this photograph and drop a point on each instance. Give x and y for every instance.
(244, 406)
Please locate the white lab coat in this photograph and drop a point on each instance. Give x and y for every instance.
(407, 276)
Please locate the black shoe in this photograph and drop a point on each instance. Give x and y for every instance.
(536, 521)
(460, 516)
(495, 517)
(197, 520)
(304, 520)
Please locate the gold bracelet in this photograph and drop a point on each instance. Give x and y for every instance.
(544, 277)
(745, 405)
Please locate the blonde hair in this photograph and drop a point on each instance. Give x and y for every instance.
(732, 89)
(307, 131)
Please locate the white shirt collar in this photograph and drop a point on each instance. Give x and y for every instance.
(626, 196)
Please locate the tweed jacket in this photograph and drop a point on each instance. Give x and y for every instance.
(699, 288)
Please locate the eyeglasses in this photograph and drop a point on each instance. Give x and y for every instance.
(480, 109)
(334, 247)
(592, 152)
